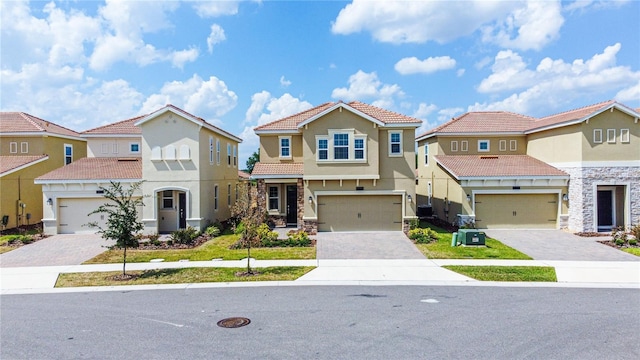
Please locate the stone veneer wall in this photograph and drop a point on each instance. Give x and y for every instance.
(581, 189)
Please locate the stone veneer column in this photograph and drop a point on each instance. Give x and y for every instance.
(300, 202)
(261, 197)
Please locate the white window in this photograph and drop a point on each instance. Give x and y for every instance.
(68, 154)
(597, 136)
(229, 194)
(215, 197)
(228, 154)
(285, 147)
(274, 199)
(105, 148)
(464, 145)
(513, 145)
(134, 148)
(24, 147)
(395, 143)
(185, 152)
(483, 146)
(210, 149)
(454, 146)
(156, 153)
(611, 135)
(170, 152)
(115, 148)
(624, 135)
(167, 199)
(426, 154)
(502, 145)
(323, 148)
(13, 147)
(341, 146)
(218, 151)
(235, 156)
(359, 148)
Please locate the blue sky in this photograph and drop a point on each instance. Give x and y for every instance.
(239, 64)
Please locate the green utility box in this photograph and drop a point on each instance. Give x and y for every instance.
(471, 237)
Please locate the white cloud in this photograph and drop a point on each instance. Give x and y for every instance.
(206, 8)
(367, 87)
(412, 65)
(460, 72)
(630, 94)
(598, 4)
(284, 82)
(422, 113)
(215, 37)
(208, 99)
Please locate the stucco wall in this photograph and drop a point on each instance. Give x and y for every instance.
(113, 147)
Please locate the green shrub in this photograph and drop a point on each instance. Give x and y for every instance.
(212, 231)
(635, 231)
(423, 236)
(16, 239)
(266, 235)
(239, 228)
(185, 236)
(414, 223)
(619, 235)
(633, 242)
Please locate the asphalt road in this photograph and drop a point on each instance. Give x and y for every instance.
(341, 322)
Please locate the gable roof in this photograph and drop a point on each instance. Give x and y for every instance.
(10, 164)
(20, 123)
(579, 115)
(197, 120)
(277, 170)
(124, 127)
(372, 113)
(500, 166)
(92, 169)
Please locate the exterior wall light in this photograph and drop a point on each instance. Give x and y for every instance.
(409, 198)
(565, 197)
(49, 201)
(468, 198)
(310, 199)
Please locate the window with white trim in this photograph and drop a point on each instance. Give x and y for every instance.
(68, 154)
(624, 135)
(115, 148)
(395, 143)
(211, 150)
(513, 145)
(105, 148)
(358, 148)
(502, 145)
(24, 147)
(611, 136)
(483, 146)
(228, 154)
(134, 148)
(274, 199)
(167, 199)
(13, 147)
(218, 151)
(284, 147)
(454, 146)
(216, 193)
(341, 146)
(229, 194)
(235, 156)
(597, 136)
(156, 153)
(323, 148)
(426, 154)
(464, 145)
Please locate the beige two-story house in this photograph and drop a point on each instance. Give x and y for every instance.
(578, 170)
(30, 147)
(338, 167)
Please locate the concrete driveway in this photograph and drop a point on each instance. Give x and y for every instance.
(67, 249)
(559, 245)
(365, 245)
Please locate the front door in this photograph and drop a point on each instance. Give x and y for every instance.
(182, 210)
(292, 204)
(605, 210)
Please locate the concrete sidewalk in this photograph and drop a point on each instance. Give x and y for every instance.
(605, 274)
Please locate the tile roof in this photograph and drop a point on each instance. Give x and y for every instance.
(484, 122)
(261, 169)
(243, 175)
(20, 122)
(463, 166)
(570, 115)
(8, 163)
(385, 116)
(124, 127)
(97, 169)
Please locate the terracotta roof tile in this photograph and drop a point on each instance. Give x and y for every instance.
(570, 115)
(463, 166)
(243, 175)
(8, 163)
(19, 122)
(291, 122)
(123, 127)
(484, 122)
(98, 169)
(278, 169)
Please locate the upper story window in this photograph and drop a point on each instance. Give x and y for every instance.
(513, 145)
(24, 147)
(229, 194)
(597, 136)
(611, 136)
(228, 154)
(454, 146)
(105, 148)
(464, 145)
(395, 143)
(134, 148)
(235, 156)
(68, 154)
(211, 149)
(285, 147)
(323, 149)
(483, 146)
(218, 151)
(502, 145)
(341, 146)
(624, 135)
(426, 154)
(115, 148)
(358, 146)
(13, 147)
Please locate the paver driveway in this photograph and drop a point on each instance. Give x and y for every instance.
(559, 245)
(67, 249)
(365, 245)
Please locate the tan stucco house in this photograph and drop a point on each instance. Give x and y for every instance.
(189, 168)
(338, 167)
(579, 169)
(30, 147)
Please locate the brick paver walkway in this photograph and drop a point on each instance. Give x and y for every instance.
(67, 249)
(366, 245)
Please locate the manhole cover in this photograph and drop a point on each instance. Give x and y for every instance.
(234, 322)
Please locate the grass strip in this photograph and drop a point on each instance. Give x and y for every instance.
(507, 273)
(181, 276)
(217, 248)
(442, 249)
(634, 251)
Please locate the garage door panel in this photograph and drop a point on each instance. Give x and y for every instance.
(360, 212)
(73, 214)
(526, 211)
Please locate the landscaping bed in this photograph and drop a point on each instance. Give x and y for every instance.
(19, 239)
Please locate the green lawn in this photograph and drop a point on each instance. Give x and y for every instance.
(506, 273)
(181, 276)
(217, 248)
(442, 249)
(634, 251)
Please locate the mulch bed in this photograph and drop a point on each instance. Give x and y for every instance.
(614, 245)
(164, 245)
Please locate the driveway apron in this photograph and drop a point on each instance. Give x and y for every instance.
(558, 245)
(366, 245)
(67, 249)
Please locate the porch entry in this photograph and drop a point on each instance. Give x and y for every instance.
(610, 207)
(172, 210)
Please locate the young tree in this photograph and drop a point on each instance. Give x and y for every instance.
(247, 218)
(122, 217)
(252, 160)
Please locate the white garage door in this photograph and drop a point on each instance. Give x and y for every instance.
(73, 214)
(360, 213)
(524, 211)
